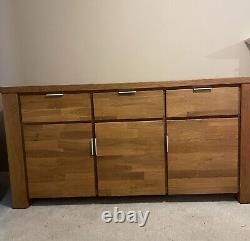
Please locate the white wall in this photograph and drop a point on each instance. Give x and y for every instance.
(9, 59)
(9, 65)
(64, 41)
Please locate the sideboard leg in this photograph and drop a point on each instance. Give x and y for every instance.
(14, 139)
(244, 194)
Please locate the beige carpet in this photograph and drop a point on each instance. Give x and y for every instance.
(180, 218)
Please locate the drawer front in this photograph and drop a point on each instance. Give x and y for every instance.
(132, 105)
(55, 107)
(203, 102)
(59, 161)
(130, 158)
(203, 156)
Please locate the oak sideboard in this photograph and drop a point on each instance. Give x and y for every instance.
(127, 139)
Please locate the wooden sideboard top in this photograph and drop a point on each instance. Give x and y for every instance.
(125, 86)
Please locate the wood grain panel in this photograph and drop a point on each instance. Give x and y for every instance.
(130, 158)
(186, 103)
(143, 104)
(16, 158)
(70, 107)
(244, 196)
(59, 162)
(203, 156)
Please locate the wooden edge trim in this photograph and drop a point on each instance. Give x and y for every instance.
(219, 82)
(202, 117)
(54, 122)
(129, 120)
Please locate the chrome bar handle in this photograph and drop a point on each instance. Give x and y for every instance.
(92, 146)
(199, 90)
(55, 95)
(167, 143)
(95, 146)
(127, 92)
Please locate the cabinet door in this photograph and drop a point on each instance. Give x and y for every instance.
(203, 156)
(59, 161)
(130, 158)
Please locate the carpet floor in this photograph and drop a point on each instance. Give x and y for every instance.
(187, 218)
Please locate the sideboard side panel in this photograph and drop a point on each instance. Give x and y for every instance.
(13, 128)
(244, 196)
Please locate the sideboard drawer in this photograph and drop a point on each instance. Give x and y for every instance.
(55, 107)
(129, 105)
(203, 102)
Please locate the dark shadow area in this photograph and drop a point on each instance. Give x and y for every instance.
(3, 146)
(247, 42)
(6, 198)
(134, 199)
(4, 177)
(4, 185)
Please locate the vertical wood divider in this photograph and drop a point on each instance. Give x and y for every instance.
(239, 140)
(244, 196)
(16, 158)
(165, 141)
(94, 136)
